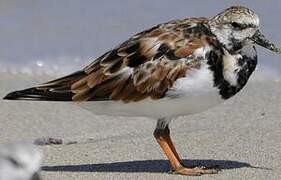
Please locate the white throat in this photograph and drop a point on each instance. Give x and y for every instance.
(223, 36)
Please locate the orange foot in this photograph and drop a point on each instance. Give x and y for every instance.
(197, 171)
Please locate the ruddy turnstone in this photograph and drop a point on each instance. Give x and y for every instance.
(176, 68)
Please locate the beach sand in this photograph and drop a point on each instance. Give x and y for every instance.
(241, 136)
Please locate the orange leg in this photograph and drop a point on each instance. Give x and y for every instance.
(164, 140)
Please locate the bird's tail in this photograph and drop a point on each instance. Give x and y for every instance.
(39, 94)
(56, 90)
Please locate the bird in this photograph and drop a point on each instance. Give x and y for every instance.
(177, 68)
(20, 161)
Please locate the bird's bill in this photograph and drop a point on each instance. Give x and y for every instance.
(261, 40)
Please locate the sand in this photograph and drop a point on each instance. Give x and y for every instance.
(241, 136)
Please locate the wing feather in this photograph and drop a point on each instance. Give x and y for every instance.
(146, 65)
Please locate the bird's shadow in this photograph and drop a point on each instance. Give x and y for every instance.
(152, 166)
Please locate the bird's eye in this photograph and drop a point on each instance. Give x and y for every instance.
(236, 25)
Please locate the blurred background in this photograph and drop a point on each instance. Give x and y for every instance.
(39, 37)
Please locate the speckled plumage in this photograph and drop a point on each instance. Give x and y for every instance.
(149, 63)
(176, 68)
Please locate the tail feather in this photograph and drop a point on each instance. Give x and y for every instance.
(38, 94)
(56, 90)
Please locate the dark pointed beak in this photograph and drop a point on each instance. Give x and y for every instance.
(261, 40)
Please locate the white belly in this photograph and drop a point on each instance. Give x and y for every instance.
(189, 95)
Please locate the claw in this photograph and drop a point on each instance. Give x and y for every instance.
(197, 171)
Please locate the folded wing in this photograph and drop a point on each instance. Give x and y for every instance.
(146, 65)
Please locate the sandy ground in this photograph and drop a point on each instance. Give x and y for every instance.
(241, 136)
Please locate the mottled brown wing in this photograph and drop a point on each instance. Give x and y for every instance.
(146, 65)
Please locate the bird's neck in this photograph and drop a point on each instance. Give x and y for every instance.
(226, 39)
(232, 69)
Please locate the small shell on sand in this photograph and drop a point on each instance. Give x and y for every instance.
(47, 141)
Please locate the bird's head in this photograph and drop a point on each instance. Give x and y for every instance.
(237, 26)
